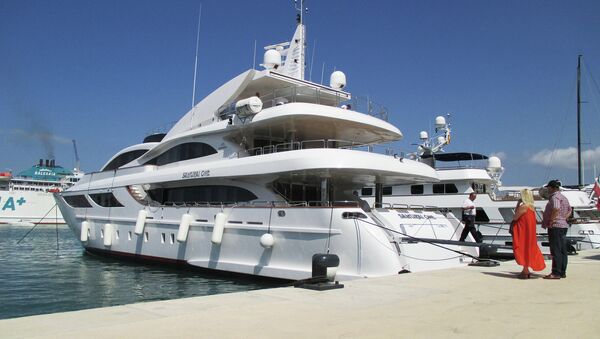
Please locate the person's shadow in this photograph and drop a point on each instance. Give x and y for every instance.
(593, 257)
(511, 275)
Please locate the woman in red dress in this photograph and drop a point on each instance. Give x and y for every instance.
(525, 246)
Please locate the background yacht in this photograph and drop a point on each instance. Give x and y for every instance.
(257, 178)
(463, 173)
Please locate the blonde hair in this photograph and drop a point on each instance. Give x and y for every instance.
(527, 197)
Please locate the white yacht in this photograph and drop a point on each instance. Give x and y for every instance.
(256, 179)
(27, 198)
(463, 173)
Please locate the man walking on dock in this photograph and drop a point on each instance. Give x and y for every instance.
(468, 217)
(555, 221)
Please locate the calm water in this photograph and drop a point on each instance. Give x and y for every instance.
(36, 278)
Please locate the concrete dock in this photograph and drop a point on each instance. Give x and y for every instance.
(469, 302)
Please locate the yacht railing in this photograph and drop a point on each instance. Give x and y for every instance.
(307, 144)
(292, 94)
(257, 204)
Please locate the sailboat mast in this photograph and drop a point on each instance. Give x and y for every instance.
(579, 167)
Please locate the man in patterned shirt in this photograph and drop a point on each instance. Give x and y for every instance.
(555, 221)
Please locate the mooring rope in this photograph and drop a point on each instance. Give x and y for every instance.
(36, 224)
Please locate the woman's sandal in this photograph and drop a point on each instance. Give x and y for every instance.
(524, 276)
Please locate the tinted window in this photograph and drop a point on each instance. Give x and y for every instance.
(481, 216)
(451, 188)
(123, 159)
(182, 152)
(444, 188)
(367, 191)
(416, 189)
(105, 200)
(438, 188)
(507, 214)
(387, 190)
(201, 194)
(77, 201)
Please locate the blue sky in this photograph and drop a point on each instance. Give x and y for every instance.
(108, 72)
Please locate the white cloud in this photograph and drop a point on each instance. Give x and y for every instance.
(566, 157)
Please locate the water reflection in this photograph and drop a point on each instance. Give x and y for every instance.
(36, 278)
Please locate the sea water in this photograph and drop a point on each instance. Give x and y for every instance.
(48, 272)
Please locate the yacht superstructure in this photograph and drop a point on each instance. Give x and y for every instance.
(257, 178)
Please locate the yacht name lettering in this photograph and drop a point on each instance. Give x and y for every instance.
(415, 216)
(195, 174)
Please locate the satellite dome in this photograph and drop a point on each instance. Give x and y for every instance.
(494, 163)
(337, 80)
(440, 122)
(272, 59)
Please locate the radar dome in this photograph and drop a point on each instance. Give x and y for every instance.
(440, 122)
(494, 163)
(272, 59)
(441, 140)
(423, 135)
(337, 80)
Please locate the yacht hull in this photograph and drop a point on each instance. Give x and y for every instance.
(366, 247)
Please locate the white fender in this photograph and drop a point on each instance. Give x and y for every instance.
(184, 227)
(217, 234)
(108, 231)
(140, 222)
(267, 240)
(85, 227)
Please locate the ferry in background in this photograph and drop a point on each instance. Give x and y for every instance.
(27, 198)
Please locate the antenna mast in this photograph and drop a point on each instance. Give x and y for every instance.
(579, 167)
(76, 156)
(300, 18)
(196, 59)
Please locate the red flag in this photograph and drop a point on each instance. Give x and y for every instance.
(597, 193)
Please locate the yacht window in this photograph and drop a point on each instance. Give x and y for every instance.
(591, 214)
(507, 214)
(123, 159)
(298, 192)
(77, 201)
(105, 200)
(450, 188)
(539, 215)
(416, 189)
(182, 152)
(201, 194)
(444, 189)
(478, 188)
(387, 190)
(481, 216)
(367, 191)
